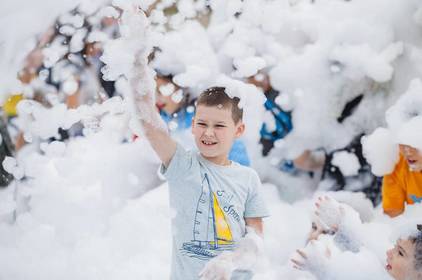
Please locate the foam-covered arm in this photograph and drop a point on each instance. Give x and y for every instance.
(154, 128)
(142, 95)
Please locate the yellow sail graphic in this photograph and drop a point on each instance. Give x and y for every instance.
(222, 228)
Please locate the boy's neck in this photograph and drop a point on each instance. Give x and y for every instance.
(218, 160)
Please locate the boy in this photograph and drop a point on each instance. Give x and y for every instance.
(214, 198)
(179, 117)
(404, 185)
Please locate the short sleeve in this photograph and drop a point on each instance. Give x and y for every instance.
(179, 165)
(393, 195)
(255, 205)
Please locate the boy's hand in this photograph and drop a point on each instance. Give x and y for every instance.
(245, 256)
(313, 258)
(342, 220)
(218, 268)
(329, 212)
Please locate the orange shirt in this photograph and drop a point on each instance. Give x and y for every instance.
(401, 186)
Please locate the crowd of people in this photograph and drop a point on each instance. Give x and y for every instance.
(74, 77)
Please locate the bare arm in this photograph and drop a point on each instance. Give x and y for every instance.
(256, 224)
(310, 161)
(161, 142)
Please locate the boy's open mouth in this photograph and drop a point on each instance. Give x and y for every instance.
(411, 161)
(388, 266)
(208, 143)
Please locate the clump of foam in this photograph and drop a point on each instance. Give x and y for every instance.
(348, 163)
(381, 151)
(404, 120)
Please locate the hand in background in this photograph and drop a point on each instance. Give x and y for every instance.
(329, 212)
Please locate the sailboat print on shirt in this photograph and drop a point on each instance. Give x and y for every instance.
(211, 231)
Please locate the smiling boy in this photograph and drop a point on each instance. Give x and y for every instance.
(404, 261)
(214, 199)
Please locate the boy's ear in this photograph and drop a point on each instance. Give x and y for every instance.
(240, 129)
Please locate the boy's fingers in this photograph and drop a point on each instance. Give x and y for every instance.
(297, 263)
(302, 254)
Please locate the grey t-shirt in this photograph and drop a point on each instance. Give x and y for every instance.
(210, 203)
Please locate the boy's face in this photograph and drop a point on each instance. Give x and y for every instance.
(317, 230)
(401, 260)
(214, 131)
(413, 157)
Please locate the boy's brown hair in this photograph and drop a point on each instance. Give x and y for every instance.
(217, 96)
(417, 241)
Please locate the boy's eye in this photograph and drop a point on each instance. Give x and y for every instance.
(314, 227)
(401, 253)
(201, 124)
(220, 125)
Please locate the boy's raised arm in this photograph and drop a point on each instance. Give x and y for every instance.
(155, 129)
(160, 140)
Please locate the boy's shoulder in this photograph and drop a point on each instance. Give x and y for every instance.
(244, 168)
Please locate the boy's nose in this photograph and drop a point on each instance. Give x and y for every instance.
(209, 131)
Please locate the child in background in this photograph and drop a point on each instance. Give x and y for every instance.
(214, 198)
(332, 176)
(282, 119)
(404, 261)
(404, 185)
(322, 254)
